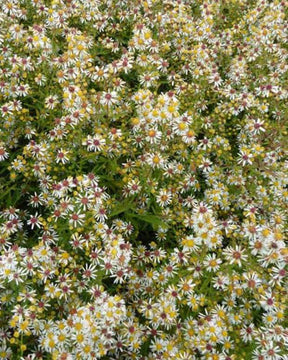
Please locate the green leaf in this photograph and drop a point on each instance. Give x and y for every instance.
(152, 219)
(122, 207)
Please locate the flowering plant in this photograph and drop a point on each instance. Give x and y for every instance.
(143, 178)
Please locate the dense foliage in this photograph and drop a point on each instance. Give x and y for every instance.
(143, 179)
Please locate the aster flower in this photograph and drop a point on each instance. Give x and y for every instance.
(62, 156)
(34, 221)
(164, 198)
(76, 219)
(109, 98)
(235, 255)
(211, 262)
(3, 153)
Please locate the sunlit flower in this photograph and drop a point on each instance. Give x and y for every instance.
(3, 153)
(109, 98)
(151, 139)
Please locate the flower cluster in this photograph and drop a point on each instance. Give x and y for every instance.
(143, 179)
